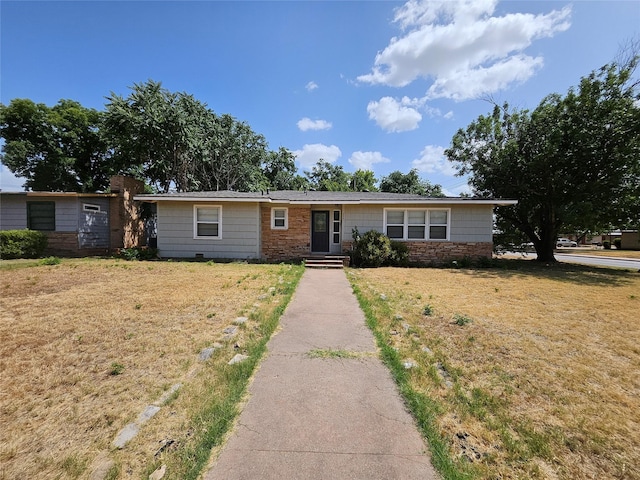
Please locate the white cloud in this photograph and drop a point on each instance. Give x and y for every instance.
(366, 160)
(308, 124)
(310, 154)
(311, 86)
(432, 160)
(460, 45)
(394, 116)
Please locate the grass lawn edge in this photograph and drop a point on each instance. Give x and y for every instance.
(423, 409)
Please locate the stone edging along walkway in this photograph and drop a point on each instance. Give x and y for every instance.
(103, 463)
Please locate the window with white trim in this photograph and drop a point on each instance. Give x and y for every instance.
(417, 224)
(90, 207)
(279, 218)
(207, 221)
(336, 226)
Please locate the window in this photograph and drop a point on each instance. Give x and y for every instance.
(89, 207)
(207, 221)
(417, 224)
(438, 222)
(41, 216)
(395, 223)
(279, 219)
(336, 226)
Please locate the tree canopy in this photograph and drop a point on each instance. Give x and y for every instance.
(57, 148)
(573, 163)
(177, 142)
(398, 182)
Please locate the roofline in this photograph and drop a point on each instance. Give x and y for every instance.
(62, 194)
(430, 200)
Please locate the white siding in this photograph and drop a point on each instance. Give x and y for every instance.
(239, 228)
(364, 217)
(13, 212)
(472, 223)
(469, 223)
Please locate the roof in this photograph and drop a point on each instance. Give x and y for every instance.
(61, 194)
(315, 197)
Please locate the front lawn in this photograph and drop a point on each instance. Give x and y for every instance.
(524, 371)
(87, 345)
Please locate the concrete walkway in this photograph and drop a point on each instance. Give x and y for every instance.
(323, 418)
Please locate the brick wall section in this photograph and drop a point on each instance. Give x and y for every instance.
(438, 253)
(65, 244)
(291, 244)
(127, 228)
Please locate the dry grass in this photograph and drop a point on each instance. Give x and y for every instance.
(543, 382)
(86, 345)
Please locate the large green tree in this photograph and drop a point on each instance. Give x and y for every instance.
(279, 169)
(398, 182)
(327, 177)
(176, 142)
(159, 133)
(363, 181)
(572, 163)
(57, 148)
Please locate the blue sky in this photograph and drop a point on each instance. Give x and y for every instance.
(365, 84)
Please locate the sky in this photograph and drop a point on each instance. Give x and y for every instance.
(377, 85)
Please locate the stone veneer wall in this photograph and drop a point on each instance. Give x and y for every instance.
(438, 253)
(127, 228)
(290, 244)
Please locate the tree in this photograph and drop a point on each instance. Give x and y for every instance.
(397, 182)
(159, 134)
(572, 163)
(327, 177)
(175, 141)
(55, 149)
(363, 181)
(235, 157)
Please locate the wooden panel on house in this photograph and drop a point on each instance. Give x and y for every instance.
(93, 223)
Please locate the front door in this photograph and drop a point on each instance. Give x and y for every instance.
(320, 231)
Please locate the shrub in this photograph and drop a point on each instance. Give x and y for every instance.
(139, 253)
(50, 261)
(461, 320)
(372, 249)
(399, 254)
(606, 245)
(22, 244)
(618, 243)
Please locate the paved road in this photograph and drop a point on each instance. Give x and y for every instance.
(599, 261)
(585, 259)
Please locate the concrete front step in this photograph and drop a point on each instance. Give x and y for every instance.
(326, 262)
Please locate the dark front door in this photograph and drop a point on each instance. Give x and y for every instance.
(320, 231)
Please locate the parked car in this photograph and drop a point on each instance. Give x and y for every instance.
(565, 242)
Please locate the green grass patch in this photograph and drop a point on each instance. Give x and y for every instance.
(340, 354)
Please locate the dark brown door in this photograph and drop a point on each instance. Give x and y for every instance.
(320, 231)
